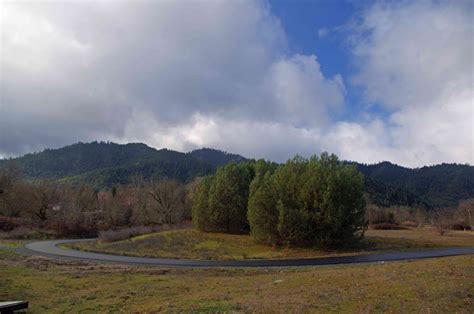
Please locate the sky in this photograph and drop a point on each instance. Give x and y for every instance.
(367, 80)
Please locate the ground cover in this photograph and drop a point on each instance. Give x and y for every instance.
(441, 285)
(193, 244)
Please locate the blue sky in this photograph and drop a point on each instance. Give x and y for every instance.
(302, 20)
(367, 80)
(320, 27)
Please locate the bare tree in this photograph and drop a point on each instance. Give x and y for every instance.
(441, 218)
(45, 197)
(169, 200)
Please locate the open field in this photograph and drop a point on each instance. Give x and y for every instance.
(192, 244)
(444, 285)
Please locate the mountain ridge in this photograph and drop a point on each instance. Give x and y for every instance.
(105, 164)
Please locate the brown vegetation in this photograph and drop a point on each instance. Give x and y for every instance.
(64, 210)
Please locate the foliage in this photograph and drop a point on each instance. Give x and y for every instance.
(319, 202)
(105, 164)
(228, 198)
(303, 202)
(436, 186)
(262, 216)
(200, 211)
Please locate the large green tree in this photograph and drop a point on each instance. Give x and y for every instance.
(228, 198)
(262, 216)
(318, 202)
(200, 209)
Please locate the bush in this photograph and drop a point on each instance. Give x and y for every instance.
(386, 226)
(10, 223)
(409, 223)
(23, 233)
(460, 225)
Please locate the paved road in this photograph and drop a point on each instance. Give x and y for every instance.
(51, 249)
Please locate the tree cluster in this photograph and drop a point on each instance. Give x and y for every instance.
(221, 200)
(80, 210)
(304, 202)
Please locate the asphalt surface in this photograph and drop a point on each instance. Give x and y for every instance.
(51, 249)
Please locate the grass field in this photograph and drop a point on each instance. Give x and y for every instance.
(444, 285)
(192, 244)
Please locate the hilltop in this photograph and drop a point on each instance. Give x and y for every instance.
(105, 164)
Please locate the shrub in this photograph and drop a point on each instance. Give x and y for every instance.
(23, 233)
(460, 225)
(409, 223)
(9, 223)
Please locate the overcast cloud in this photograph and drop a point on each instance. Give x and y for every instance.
(188, 74)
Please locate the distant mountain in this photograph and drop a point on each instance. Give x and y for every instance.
(215, 157)
(105, 164)
(434, 186)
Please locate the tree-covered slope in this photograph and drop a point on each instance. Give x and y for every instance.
(220, 159)
(439, 186)
(105, 164)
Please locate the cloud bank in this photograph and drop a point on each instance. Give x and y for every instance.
(184, 75)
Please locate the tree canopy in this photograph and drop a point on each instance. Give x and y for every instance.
(304, 202)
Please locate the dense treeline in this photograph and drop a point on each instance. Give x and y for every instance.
(103, 165)
(317, 202)
(437, 186)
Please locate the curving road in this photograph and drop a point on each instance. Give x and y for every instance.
(51, 249)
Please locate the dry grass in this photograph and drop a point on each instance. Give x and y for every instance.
(192, 244)
(420, 237)
(444, 285)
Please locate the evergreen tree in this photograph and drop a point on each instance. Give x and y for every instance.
(200, 209)
(318, 202)
(291, 222)
(228, 198)
(262, 213)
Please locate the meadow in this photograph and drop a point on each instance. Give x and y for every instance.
(193, 244)
(442, 285)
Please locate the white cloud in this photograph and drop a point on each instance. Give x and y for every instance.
(82, 71)
(189, 74)
(416, 59)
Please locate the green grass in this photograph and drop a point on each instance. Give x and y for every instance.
(443, 285)
(13, 243)
(192, 244)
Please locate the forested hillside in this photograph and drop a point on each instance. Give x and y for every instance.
(104, 165)
(435, 186)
